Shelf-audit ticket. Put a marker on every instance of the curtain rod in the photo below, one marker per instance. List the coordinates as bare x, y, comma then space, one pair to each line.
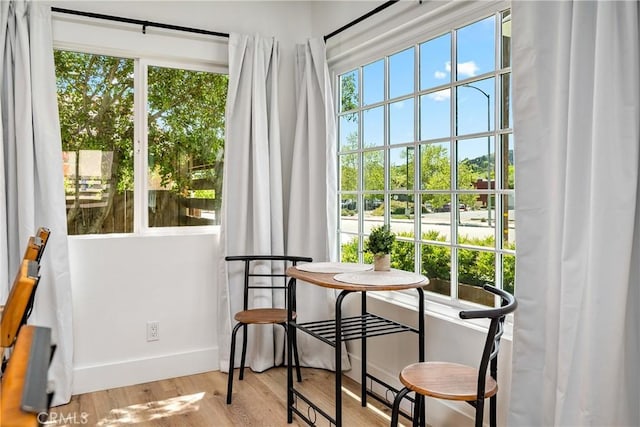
144, 24
362, 18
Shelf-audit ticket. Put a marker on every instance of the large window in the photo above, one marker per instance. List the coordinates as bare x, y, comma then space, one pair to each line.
426, 146
142, 143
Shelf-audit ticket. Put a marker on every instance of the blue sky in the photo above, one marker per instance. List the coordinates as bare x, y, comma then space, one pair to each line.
475, 56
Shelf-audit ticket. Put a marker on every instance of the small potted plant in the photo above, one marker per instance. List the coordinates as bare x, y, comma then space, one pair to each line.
379, 244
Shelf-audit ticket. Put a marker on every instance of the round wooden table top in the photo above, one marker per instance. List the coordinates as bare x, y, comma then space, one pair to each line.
327, 280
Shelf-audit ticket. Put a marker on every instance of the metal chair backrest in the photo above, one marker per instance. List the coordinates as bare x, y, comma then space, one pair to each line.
492, 343
268, 267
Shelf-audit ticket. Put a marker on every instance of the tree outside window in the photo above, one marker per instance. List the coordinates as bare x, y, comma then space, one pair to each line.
184, 146
434, 159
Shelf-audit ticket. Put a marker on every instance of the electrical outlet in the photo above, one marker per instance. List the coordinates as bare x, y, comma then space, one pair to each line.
153, 330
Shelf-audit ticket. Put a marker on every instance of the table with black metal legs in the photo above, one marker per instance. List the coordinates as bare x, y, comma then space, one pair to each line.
336, 331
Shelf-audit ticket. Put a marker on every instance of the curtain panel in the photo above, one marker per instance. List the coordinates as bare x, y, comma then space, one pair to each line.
576, 357
252, 211
313, 197
31, 182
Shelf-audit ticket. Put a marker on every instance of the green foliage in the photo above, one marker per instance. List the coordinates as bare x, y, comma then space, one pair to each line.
399, 208
435, 168
402, 254
468, 271
436, 259
349, 170
380, 240
379, 211
95, 99
475, 267
435, 173
203, 194
350, 251
509, 273
349, 93
373, 170
401, 173
186, 120
186, 125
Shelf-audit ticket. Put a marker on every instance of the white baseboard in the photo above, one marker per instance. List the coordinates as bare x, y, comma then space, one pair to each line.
439, 412
129, 372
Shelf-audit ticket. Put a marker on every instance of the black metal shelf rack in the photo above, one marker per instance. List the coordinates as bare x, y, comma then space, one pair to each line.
357, 327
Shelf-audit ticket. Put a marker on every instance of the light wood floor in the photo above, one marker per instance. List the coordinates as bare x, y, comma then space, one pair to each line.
200, 401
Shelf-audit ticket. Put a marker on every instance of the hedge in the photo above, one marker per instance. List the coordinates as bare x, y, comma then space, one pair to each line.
475, 267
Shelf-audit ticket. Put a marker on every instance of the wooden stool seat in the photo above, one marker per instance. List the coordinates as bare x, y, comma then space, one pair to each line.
443, 380
263, 316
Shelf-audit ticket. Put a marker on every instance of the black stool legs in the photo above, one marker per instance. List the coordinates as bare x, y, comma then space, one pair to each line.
244, 353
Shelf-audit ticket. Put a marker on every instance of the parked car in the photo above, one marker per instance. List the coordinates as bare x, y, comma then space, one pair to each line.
370, 204
447, 207
348, 204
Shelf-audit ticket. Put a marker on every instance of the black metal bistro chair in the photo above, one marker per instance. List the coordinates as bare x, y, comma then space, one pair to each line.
263, 316
452, 381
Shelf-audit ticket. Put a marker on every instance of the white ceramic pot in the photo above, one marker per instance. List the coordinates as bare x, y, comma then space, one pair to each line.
382, 262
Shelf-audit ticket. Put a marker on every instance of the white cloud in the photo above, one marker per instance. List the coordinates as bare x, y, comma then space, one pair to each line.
465, 69
441, 95
440, 74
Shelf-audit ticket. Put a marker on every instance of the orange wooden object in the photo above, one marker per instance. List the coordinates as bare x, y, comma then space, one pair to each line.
33, 249
18, 302
443, 380
37, 244
13, 383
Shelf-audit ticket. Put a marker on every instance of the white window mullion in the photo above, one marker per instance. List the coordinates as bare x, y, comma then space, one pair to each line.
140, 213
387, 141
453, 211
417, 197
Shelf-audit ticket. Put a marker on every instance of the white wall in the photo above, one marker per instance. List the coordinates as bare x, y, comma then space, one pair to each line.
119, 283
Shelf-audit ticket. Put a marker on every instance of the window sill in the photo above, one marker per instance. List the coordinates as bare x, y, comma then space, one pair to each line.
440, 310
154, 232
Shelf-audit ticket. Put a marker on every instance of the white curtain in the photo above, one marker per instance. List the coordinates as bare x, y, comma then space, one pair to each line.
32, 190
313, 200
576, 358
252, 218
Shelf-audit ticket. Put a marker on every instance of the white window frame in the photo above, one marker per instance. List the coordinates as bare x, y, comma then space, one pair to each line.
171, 49
379, 41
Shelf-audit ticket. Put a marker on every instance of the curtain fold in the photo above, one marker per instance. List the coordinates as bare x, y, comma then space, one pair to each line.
576, 358
312, 199
252, 211
32, 193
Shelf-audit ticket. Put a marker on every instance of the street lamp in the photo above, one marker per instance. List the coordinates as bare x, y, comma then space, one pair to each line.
488, 149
